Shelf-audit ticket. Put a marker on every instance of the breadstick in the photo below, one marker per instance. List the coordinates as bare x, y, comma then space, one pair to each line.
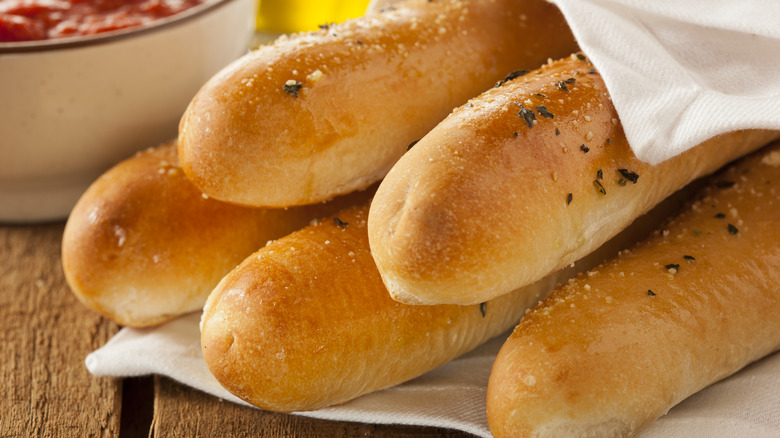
306, 322
324, 113
143, 245
615, 349
519, 182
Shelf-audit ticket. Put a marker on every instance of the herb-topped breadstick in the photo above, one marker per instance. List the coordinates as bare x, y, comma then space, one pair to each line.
324, 113
519, 182
616, 348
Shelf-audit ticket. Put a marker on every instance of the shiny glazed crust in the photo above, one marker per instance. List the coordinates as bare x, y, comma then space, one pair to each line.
324, 113
143, 245
522, 180
306, 322
613, 350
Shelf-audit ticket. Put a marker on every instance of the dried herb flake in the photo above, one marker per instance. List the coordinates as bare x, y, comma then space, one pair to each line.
513, 75
339, 222
483, 308
732, 229
544, 113
292, 87
599, 187
627, 174
528, 115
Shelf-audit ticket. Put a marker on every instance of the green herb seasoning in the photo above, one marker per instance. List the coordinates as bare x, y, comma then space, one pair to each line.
600, 174
720, 215
557, 131
689, 258
562, 86
674, 266
513, 75
483, 308
651, 293
599, 187
568, 198
627, 174
584, 148
732, 229
544, 113
339, 222
292, 87
528, 115
581, 57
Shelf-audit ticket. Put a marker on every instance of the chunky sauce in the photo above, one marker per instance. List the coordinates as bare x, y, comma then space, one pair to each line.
28, 20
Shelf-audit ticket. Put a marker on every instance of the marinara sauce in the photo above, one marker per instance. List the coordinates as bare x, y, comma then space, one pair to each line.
29, 20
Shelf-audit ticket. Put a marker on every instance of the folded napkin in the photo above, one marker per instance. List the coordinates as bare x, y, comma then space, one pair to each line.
453, 395
679, 72
682, 71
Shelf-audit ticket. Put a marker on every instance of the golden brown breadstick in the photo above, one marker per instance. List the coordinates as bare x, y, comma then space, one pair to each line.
519, 182
306, 321
324, 113
143, 245
615, 349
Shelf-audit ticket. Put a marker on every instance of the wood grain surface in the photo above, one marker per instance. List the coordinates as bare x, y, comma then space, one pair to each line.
46, 390
45, 334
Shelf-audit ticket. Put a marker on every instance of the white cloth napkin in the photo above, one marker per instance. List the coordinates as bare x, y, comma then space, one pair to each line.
453, 395
682, 71
679, 72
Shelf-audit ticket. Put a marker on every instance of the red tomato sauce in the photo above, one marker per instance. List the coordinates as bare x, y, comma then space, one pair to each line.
29, 20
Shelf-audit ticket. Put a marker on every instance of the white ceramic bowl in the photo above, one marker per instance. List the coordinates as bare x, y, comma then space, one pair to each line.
71, 108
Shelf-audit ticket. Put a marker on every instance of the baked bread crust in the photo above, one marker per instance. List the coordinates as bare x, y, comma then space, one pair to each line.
519, 182
306, 322
324, 113
143, 245
614, 349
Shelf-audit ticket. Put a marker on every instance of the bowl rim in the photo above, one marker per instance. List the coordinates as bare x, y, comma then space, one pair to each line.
116, 35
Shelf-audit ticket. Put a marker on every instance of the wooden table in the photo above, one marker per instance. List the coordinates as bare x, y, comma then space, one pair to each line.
46, 391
